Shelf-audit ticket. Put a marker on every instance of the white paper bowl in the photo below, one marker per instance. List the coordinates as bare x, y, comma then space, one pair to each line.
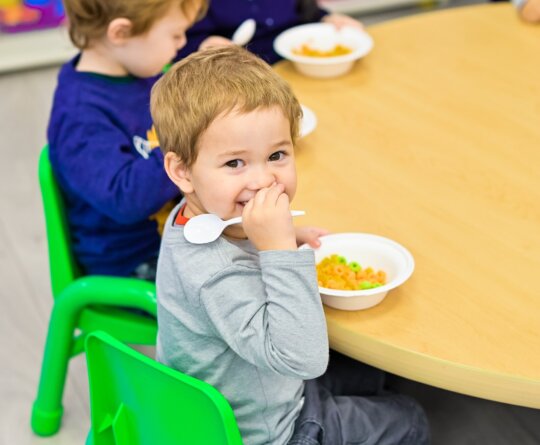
369, 251
359, 41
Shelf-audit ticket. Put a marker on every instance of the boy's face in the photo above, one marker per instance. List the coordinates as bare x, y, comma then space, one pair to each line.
238, 155
145, 55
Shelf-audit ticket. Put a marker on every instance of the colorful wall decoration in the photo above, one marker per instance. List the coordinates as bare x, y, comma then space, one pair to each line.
28, 15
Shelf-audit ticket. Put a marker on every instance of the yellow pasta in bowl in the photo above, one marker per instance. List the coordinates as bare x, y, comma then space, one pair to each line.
357, 270
322, 50
335, 272
309, 51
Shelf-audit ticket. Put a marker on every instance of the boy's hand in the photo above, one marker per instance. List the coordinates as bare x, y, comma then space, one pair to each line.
341, 20
267, 220
310, 235
531, 11
212, 41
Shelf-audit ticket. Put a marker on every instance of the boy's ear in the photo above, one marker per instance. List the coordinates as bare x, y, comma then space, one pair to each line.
119, 30
178, 172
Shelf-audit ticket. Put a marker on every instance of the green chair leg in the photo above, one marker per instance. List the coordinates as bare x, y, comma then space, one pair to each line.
47, 409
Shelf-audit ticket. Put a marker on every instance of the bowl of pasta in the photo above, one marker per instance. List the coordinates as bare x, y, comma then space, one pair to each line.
356, 270
321, 50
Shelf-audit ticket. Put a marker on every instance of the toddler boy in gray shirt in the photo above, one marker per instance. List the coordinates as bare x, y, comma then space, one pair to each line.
243, 313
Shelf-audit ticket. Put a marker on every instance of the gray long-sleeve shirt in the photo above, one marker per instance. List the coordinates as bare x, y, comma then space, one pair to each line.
249, 323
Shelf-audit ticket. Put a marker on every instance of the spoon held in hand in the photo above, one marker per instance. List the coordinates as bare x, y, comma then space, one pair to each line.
205, 228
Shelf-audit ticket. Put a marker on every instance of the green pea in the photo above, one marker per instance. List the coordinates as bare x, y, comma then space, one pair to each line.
365, 285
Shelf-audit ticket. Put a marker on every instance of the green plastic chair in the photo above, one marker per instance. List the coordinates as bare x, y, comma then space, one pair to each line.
135, 400
82, 304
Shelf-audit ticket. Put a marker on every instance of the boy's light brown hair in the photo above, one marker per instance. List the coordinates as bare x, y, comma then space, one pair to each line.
209, 83
89, 19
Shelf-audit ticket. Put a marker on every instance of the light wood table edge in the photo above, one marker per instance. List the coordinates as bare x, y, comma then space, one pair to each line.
436, 372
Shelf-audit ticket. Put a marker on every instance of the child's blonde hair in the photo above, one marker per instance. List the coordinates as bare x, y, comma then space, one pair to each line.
207, 84
88, 19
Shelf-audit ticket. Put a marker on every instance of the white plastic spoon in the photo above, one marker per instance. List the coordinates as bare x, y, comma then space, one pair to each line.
205, 228
244, 33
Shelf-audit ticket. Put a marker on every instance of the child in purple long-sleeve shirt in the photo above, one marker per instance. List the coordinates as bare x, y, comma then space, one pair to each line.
100, 135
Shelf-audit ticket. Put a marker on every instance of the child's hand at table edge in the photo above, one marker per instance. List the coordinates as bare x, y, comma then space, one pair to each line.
212, 41
530, 11
310, 235
341, 20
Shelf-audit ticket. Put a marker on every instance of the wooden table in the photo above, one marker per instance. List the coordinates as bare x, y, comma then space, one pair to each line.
433, 140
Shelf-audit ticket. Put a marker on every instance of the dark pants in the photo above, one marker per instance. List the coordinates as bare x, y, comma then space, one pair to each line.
348, 406
147, 270
144, 271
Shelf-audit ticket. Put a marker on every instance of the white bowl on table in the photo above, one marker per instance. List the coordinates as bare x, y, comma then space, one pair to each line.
368, 250
323, 36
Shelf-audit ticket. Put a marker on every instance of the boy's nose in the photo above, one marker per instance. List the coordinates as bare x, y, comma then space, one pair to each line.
261, 178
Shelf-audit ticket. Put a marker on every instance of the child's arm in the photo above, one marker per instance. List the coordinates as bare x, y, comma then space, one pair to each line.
103, 169
272, 317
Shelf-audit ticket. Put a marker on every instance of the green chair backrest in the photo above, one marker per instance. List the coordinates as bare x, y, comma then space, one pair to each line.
63, 267
135, 400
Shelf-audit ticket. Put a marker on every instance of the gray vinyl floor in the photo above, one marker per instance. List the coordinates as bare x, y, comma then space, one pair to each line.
25, 99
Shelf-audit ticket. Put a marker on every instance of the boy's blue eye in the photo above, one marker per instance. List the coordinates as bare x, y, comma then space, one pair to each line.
277, 156
235, 163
